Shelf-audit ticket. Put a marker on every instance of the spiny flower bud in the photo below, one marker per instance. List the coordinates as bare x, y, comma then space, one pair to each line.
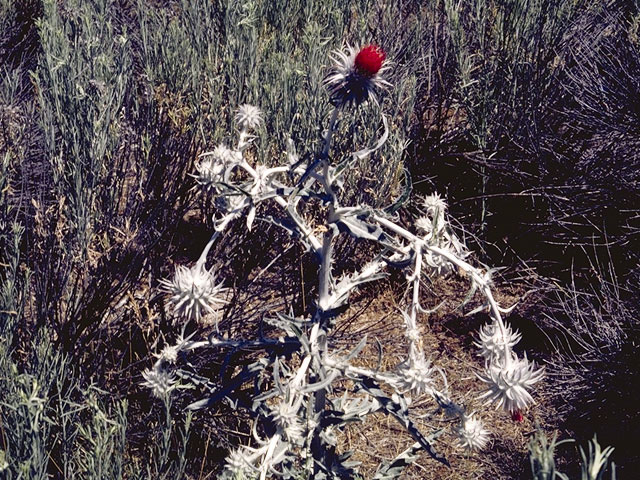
493, 343
508, 385
471, 433
159, 380
193, 292
249, 117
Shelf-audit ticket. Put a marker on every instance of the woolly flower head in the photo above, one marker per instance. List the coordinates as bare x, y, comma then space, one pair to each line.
193, 292
433, 203
209, 173
471, 433
238, 465
169, 354
435, 207
507, 385
286, 417
159, 380
248, 117
418, 378
491, 342
224, 155
356, 74
213, 165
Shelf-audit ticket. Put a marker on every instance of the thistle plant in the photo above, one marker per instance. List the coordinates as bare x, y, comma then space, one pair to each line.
297, 410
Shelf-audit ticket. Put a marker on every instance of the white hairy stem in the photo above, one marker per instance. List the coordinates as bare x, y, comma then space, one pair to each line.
203, 256
415, 302
324, 274
328, 135
464, 266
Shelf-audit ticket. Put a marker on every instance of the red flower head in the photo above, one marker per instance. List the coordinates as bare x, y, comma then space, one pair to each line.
356, 75
517, 416
369, 60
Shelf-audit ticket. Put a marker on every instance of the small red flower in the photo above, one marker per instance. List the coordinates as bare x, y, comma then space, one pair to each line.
369, 60
516, 416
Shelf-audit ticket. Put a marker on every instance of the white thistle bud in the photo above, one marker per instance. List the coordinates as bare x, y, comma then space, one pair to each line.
224, 155
507, 385
193, 292
249, 117
471, 433
418, 378
215, 164
492, 344
435, 206
169, 354
159, 380
209, 173
238, 465
286, 418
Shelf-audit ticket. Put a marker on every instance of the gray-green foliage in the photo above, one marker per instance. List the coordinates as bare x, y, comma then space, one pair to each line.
166, 455
53, 426
593, 466
506, 59
542, 457
395, 468
42, 425
82, 80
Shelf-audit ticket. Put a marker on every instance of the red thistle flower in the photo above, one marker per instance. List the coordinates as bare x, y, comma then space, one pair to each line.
369, 60
517, 416
356, 75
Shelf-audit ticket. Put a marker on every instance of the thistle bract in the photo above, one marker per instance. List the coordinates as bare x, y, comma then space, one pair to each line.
492, 342
419, 377
159, 380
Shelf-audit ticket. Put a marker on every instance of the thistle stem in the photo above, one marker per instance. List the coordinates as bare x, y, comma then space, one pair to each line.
324, 274
324, 287
203, 256
329, 134
470, 269
415, 301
